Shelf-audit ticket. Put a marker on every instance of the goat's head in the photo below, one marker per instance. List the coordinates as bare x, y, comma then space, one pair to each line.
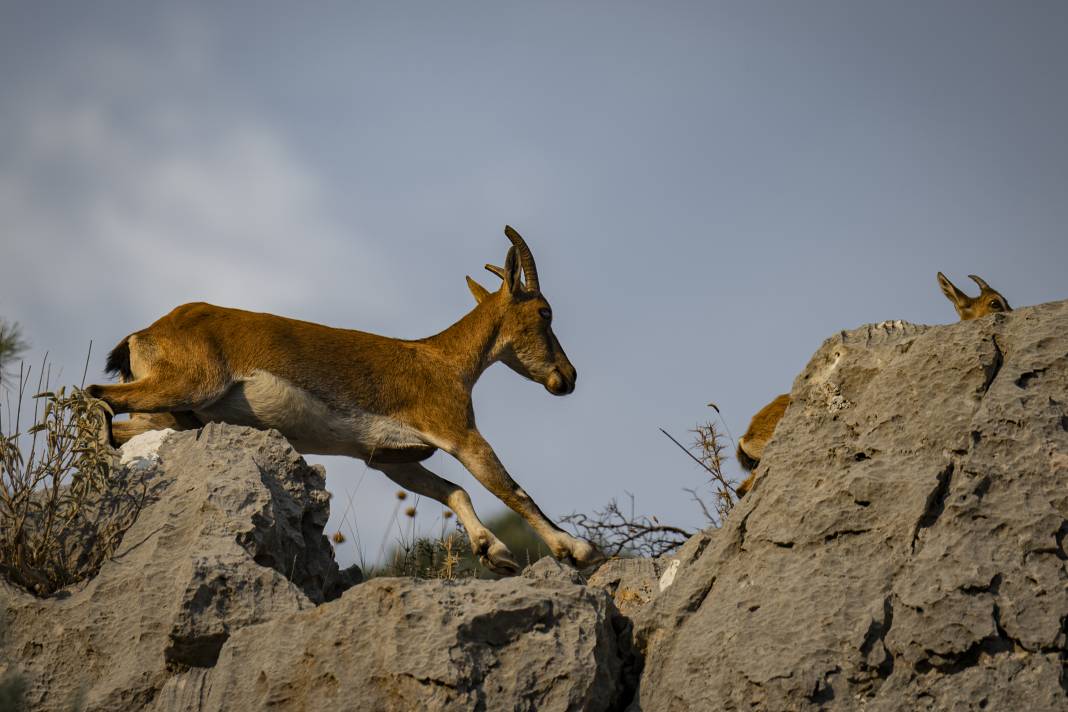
526, 342
989, 300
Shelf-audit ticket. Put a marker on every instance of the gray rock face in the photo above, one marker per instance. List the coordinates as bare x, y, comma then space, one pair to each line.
210, 604
903, 546
185, 576
406, 644
633, 583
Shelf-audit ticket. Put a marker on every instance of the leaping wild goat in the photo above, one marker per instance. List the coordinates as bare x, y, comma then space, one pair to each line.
389, 402
762, 426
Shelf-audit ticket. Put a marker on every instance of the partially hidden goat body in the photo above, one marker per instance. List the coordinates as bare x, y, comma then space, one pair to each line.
389, 402
762, 426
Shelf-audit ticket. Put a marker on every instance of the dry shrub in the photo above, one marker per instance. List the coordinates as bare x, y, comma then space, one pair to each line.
64, 506
619, 532
708, 451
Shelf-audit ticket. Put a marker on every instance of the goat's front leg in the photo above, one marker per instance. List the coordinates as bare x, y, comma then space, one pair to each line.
477, 456
491, 551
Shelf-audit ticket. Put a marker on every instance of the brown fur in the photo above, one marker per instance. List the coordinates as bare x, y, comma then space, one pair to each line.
762, 427
988, 302
751, 445
390, 402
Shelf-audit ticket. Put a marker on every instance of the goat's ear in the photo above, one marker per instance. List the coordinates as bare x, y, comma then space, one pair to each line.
953, 294
512, 272
477, 290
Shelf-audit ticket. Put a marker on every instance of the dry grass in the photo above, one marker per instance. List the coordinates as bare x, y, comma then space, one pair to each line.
63, 505
434, 545
446, 557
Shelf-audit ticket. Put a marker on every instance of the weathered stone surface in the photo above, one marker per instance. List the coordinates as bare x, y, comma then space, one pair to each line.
634, 583
549, 569
186, 575
631, 582
210, 605
903, 547
405, 644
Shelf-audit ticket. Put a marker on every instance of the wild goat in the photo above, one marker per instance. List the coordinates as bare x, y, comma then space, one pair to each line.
389, 402
762, 426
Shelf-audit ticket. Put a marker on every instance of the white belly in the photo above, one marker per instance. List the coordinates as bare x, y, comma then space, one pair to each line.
263, 400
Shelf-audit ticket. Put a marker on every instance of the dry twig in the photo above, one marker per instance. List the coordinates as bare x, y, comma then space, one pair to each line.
621, 533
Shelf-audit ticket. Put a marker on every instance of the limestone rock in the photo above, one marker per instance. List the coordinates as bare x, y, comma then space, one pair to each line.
632, 582
903, 548
210, 604
549, 569
903, 545
406, 644
224, 506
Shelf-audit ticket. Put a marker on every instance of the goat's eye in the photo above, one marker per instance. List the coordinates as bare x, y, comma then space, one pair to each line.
995, 304
546, 314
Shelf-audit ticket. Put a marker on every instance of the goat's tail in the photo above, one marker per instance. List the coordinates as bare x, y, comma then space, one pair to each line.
118, 363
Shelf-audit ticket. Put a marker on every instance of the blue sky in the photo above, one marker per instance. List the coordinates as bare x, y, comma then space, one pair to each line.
710, 189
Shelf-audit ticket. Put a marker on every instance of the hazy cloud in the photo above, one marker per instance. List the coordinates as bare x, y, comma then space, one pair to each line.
161, 199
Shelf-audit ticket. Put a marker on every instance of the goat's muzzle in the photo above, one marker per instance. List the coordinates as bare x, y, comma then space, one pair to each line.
560, 384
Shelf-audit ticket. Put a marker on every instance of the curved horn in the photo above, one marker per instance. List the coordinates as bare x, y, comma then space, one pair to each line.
526, 259
499, 271
982, 285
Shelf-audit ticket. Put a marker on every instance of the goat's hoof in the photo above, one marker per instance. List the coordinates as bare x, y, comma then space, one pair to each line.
497, 558
583, 555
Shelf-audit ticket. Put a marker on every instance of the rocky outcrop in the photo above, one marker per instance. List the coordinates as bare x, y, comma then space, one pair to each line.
407, 644
211, 604
635, 582
185, 576
903, 547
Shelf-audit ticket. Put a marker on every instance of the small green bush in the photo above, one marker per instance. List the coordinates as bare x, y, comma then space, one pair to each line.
63, 505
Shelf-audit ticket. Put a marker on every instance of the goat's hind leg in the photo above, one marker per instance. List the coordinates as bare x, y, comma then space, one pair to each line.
123, 430
165, 389
491, 551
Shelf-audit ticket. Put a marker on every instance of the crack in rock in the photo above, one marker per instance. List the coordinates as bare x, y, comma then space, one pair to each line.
935, 505
990, 646
991, 371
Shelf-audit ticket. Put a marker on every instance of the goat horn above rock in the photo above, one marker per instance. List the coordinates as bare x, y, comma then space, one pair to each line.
526, 259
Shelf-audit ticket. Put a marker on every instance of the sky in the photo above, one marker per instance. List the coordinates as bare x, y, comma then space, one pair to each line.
710, 190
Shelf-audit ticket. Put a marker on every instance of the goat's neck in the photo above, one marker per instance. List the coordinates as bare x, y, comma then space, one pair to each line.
473, 343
